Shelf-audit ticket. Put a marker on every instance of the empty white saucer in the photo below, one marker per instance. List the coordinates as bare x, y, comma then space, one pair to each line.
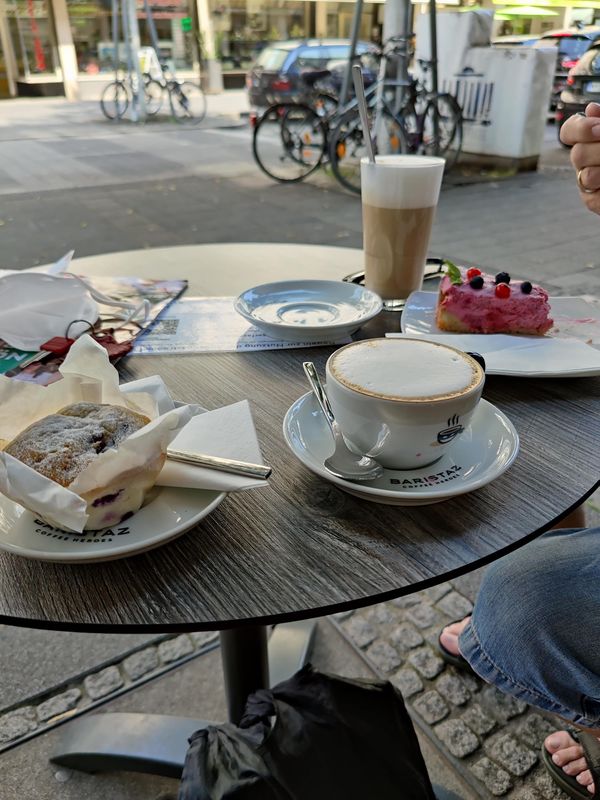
480, 455
308, 310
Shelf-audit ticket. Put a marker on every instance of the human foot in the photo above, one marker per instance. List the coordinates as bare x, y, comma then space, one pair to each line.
570, 756
448, 645
449, 636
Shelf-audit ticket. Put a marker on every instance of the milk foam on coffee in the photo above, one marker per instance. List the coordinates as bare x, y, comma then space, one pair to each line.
405, 369
404, 188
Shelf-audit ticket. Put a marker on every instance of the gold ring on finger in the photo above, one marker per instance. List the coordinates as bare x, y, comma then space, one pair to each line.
583, 188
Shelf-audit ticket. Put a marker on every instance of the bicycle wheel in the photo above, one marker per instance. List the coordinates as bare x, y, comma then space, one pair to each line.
289, 142
444, 109
114, 100
153, 91
347, 145
188, 102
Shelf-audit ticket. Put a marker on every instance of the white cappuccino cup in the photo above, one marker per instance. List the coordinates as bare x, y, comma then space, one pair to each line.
402, 401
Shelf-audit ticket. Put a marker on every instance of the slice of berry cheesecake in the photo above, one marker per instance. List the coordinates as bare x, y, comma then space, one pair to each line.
472, 302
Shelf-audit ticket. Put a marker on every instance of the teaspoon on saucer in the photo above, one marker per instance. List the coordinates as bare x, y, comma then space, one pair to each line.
343, 463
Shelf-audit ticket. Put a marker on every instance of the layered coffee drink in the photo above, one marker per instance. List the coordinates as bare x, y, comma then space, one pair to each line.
407, 370
399, 198
395, 243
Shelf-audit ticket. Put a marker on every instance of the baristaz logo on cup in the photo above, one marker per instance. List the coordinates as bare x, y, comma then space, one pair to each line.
451, 432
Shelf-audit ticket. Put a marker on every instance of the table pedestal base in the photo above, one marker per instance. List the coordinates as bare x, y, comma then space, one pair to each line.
157, 744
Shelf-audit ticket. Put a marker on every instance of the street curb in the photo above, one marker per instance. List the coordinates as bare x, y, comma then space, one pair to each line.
92, 689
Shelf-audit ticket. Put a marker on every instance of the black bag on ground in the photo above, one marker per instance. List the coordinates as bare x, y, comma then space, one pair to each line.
313, 737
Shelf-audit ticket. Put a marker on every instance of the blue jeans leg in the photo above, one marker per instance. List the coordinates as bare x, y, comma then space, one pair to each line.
535, 629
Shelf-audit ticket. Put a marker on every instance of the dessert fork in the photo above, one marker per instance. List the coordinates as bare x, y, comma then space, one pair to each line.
343, 463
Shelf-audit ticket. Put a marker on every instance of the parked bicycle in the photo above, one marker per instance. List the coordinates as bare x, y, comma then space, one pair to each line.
291, 140
425, 123
187, 101
116, 98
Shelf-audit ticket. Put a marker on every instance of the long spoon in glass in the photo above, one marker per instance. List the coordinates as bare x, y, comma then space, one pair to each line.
359, 88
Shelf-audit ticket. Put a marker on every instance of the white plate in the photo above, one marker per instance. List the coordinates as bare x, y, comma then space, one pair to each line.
169, 513
480, 455
564, 352
308, 310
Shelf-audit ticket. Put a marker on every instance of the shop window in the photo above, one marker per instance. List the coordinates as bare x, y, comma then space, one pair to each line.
32, 32
244, 28
91, 26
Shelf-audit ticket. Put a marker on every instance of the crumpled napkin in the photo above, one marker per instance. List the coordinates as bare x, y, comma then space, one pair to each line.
40, 303
34, 308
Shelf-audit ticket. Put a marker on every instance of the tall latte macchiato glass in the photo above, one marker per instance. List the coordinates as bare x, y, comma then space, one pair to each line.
402, 401
399, 198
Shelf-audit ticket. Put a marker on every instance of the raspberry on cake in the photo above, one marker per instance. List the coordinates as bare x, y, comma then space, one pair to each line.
470, 301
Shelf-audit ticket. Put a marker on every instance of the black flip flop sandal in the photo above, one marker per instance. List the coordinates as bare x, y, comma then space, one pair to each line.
591, 750
456, 661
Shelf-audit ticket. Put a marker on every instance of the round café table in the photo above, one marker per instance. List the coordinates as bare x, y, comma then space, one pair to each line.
300, 548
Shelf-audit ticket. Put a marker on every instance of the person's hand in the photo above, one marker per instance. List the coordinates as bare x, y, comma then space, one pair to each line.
583, 133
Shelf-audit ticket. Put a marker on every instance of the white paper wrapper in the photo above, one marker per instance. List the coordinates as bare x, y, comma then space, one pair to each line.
88, 377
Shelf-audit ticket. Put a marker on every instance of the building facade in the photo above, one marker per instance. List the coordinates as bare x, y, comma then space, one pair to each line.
56, 47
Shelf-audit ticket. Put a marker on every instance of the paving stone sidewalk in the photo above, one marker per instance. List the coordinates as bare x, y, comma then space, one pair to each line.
492, 739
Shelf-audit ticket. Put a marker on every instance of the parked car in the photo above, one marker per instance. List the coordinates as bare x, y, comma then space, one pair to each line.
582, 86
277, 73
515, 40
570, 45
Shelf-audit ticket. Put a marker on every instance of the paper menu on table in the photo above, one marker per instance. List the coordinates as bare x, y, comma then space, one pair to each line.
208, 325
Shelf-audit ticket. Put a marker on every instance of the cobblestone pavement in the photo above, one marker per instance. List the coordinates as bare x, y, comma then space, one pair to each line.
492, 739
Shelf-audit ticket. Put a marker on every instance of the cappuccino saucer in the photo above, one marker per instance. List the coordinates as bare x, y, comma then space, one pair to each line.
308, 311
481, 454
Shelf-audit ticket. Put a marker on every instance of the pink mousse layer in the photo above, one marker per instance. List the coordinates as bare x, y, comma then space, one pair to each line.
482, 312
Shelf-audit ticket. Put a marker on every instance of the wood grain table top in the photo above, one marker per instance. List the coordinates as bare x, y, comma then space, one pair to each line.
302, 547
